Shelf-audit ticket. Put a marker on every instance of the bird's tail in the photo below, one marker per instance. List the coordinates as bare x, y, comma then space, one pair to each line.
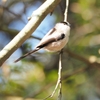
33, 51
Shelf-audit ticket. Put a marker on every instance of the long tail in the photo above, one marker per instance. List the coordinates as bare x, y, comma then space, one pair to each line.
33, 51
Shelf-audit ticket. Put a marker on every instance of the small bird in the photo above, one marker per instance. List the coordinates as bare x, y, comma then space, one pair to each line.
54, 40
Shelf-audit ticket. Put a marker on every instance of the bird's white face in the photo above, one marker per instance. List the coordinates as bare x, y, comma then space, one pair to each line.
60, 29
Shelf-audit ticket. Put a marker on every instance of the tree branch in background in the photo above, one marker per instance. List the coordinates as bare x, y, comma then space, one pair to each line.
14, 32
36, 18
86, 61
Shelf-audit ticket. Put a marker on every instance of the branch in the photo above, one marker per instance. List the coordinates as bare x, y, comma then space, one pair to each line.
60, 77
25, 33
14, 32
59, 81
66, 11
86, 61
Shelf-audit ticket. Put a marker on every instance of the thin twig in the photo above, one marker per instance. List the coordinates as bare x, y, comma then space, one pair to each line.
66, 11
16, 15
60, 78
59, 82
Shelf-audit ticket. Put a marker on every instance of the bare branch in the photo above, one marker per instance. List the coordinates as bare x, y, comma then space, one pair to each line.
59, 81
81, 58
66, 10
60, 78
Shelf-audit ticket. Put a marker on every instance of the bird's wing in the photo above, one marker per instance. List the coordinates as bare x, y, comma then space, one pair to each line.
49, 38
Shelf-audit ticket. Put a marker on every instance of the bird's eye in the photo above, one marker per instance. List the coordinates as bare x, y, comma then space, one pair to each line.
62, 35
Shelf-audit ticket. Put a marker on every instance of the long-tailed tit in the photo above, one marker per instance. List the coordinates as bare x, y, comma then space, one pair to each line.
54, 40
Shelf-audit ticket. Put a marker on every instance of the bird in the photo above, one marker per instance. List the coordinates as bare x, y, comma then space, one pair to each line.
54, 40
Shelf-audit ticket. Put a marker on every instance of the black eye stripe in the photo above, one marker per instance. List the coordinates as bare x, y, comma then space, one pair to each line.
62, 35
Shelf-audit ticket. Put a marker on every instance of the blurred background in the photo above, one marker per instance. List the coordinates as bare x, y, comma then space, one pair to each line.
35, 76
